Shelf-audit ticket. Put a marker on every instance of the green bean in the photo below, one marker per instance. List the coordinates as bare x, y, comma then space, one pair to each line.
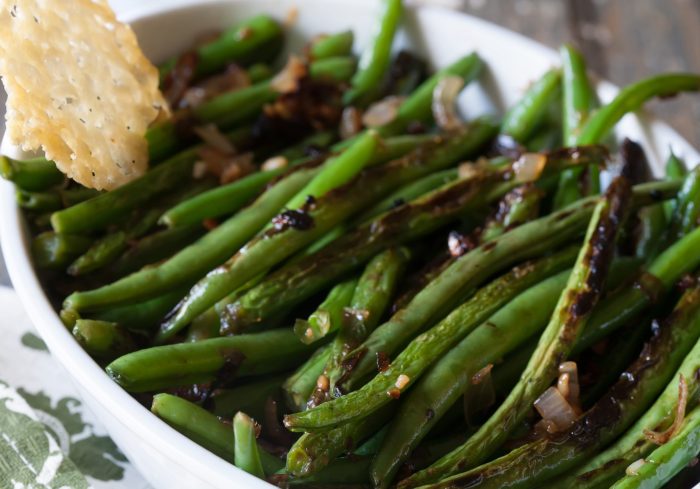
426, 348
253, 40
249, 398
194, 261
100, 211
111, 246
518, 206
339, 170
312, 273
608, 466
632, 98
38, 201
572, 311
259, 72
330, 210
56, 250
246, 455
530, 465
154, 248
675, 169
376, 58
298, 388
410, 192
35, 175
218, 201
506, 374
371, 445
204, 428
102, 339
339, 44
102, 252
53, 199
522, 120
686, 215
653, 283
337, 69
394, 147
653, 225
327, 318
142, 317
523, 242
417, 107
579, 99
315, 451
667, 460
206, 326
345, 473
450, 377
162, 367
369, 302
234, 107
195, 423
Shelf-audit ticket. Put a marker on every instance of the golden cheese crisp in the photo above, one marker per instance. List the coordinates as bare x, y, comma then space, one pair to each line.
78, 87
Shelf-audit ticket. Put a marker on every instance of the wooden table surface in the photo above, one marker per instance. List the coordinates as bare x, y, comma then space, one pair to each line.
623, 40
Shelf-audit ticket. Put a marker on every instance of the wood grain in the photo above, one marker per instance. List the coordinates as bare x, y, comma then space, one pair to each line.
623, 40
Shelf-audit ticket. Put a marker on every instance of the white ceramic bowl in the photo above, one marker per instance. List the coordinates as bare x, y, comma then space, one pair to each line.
166, 458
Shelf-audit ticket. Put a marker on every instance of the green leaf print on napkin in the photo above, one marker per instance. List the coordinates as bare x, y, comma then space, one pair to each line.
30, 340
29, 456
94, 455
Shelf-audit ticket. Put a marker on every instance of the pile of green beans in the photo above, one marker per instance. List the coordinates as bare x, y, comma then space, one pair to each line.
383, 304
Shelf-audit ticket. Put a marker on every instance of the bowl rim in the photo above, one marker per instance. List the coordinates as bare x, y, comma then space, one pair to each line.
131, 415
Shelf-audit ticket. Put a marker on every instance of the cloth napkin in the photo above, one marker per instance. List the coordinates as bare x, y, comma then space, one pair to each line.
48, 438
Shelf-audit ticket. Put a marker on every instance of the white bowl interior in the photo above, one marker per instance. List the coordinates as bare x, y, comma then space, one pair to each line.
165, 28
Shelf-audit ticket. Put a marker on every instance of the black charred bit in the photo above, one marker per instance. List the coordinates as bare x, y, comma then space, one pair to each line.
601, 247
294, 219
635, 166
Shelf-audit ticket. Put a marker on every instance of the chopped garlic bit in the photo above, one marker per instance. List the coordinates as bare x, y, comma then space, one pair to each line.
274, 163
402, 381
633, 468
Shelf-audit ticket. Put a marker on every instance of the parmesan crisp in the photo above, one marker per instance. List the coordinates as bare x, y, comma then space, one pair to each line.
78, 87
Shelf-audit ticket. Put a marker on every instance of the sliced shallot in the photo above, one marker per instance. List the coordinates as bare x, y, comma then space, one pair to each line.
287, 80
555, 409
382, 112
444, 104
661, 437
529, 167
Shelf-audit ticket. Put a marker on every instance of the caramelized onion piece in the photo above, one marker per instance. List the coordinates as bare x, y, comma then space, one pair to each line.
212, 137
227, 167
274, 163
480, 396
382, 112
568, 385
350, 122
555, 410
288, 80
529, 167
234, 78
445, 103
633, 468
661, 437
